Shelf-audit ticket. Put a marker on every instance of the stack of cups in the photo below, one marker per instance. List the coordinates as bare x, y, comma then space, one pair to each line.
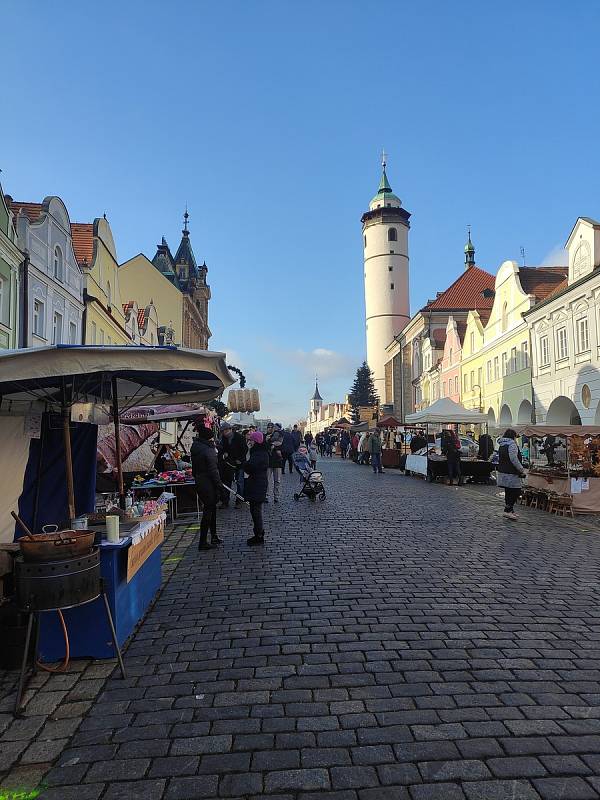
112, 529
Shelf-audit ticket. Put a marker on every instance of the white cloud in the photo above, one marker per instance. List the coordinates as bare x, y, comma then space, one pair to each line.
557, 257
325, 363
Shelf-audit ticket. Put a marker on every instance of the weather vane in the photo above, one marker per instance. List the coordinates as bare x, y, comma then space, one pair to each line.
383, 159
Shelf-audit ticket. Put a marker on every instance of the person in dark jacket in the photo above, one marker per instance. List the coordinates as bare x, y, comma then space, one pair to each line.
344, 443
273, 442
510, 471
205, 470
287, 451
450, 447
297, 437
308, 437
255, 487
232, 454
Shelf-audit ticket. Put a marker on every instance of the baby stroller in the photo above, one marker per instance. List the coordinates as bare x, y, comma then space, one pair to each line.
312, 485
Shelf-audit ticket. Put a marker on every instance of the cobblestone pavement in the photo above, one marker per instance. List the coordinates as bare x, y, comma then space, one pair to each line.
400, 640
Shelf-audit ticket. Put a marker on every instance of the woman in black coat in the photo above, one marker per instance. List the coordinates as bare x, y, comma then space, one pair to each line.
208, 485
256, 484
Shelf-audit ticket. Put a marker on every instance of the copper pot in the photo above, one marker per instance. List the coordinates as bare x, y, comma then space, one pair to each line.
56, 545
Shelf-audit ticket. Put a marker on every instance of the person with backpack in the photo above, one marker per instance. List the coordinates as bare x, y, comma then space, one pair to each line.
510, 471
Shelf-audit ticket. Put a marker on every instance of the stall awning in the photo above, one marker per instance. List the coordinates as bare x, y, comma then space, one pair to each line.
446, 410
558, 430
144, 375
389, 422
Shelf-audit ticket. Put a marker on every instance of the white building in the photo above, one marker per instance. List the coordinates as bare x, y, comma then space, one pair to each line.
323, 415
52, 281
385, 241
565, 337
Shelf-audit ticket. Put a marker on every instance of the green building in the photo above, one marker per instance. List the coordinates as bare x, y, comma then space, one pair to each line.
10, 260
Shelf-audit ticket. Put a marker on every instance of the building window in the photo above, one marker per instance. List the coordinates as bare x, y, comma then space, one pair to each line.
562, 349
38, 317
72, 333
480, 376
365, 238
57, 322
544, 351
3, 301
504, 360
525, 355
391, 285
94, 333
583, 335
390, 269
504, 317
513, 359
444, 389
489, 371
108, 294
456, 385
58, 264
101, 336
472, 343
466, 382
451, 354
392, 235
472, 379
496, 368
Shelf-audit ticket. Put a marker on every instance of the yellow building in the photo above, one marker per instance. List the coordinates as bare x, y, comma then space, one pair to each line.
496, 353
143, 283
104, 319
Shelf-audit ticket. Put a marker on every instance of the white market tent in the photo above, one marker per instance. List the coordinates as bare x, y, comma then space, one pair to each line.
446, 411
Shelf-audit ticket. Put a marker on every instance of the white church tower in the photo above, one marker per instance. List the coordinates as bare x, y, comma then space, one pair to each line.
316, 403
385, 240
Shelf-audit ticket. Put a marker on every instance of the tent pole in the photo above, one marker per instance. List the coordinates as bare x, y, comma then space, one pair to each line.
66, 419
115, 410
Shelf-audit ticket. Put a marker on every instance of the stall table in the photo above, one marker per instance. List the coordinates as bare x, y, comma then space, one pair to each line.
584, 502
436, 466
179, 489
131, 574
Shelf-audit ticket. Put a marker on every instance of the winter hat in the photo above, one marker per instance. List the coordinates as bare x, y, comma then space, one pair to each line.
256, 437
278, 425
225, 426
302, 450
205, 434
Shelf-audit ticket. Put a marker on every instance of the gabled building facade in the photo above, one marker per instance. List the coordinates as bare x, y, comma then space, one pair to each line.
565, 336
52, 282
184, 273
11, 259
451, 358
104, 319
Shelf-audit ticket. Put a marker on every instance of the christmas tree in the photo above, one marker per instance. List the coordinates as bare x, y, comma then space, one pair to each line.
363, 391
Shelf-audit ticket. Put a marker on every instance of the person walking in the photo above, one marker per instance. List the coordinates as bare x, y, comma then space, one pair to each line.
256, 483
510, 471
374, 449
297, 437
232, 453
308, 437
274, 441
354, 444
313, 454
344, 443
287, 451
205, 470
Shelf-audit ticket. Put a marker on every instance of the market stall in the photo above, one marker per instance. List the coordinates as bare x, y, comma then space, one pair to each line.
390, 455
564, 463
52, 462
427, 461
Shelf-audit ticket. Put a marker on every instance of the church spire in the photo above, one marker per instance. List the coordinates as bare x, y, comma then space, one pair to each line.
316, 395
186, 217
384, 184
469, 251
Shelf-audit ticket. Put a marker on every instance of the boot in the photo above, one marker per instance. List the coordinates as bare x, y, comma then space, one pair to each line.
214, 539
205, 545
258, 538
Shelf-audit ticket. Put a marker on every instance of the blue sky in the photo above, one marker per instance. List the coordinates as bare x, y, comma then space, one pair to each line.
268, 118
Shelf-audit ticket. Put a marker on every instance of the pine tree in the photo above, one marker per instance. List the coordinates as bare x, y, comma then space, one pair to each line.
363, 391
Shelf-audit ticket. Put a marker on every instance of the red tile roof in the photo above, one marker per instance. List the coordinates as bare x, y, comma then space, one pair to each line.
32, 210
82, 234
543, 281
465, 292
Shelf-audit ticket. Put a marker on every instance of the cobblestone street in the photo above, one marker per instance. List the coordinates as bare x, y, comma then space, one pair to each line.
400, 640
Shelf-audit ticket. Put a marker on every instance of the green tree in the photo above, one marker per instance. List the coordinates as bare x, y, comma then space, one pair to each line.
363, 391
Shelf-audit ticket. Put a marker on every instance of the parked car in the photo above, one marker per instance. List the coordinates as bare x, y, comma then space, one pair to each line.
468, 447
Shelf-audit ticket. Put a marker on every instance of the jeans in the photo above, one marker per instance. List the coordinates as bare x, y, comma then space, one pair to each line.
376, 462
287, 459
274, 475
257, 518
239, 481
208, 523
510, 498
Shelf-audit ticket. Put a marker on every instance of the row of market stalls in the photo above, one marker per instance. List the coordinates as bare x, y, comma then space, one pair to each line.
51, 401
